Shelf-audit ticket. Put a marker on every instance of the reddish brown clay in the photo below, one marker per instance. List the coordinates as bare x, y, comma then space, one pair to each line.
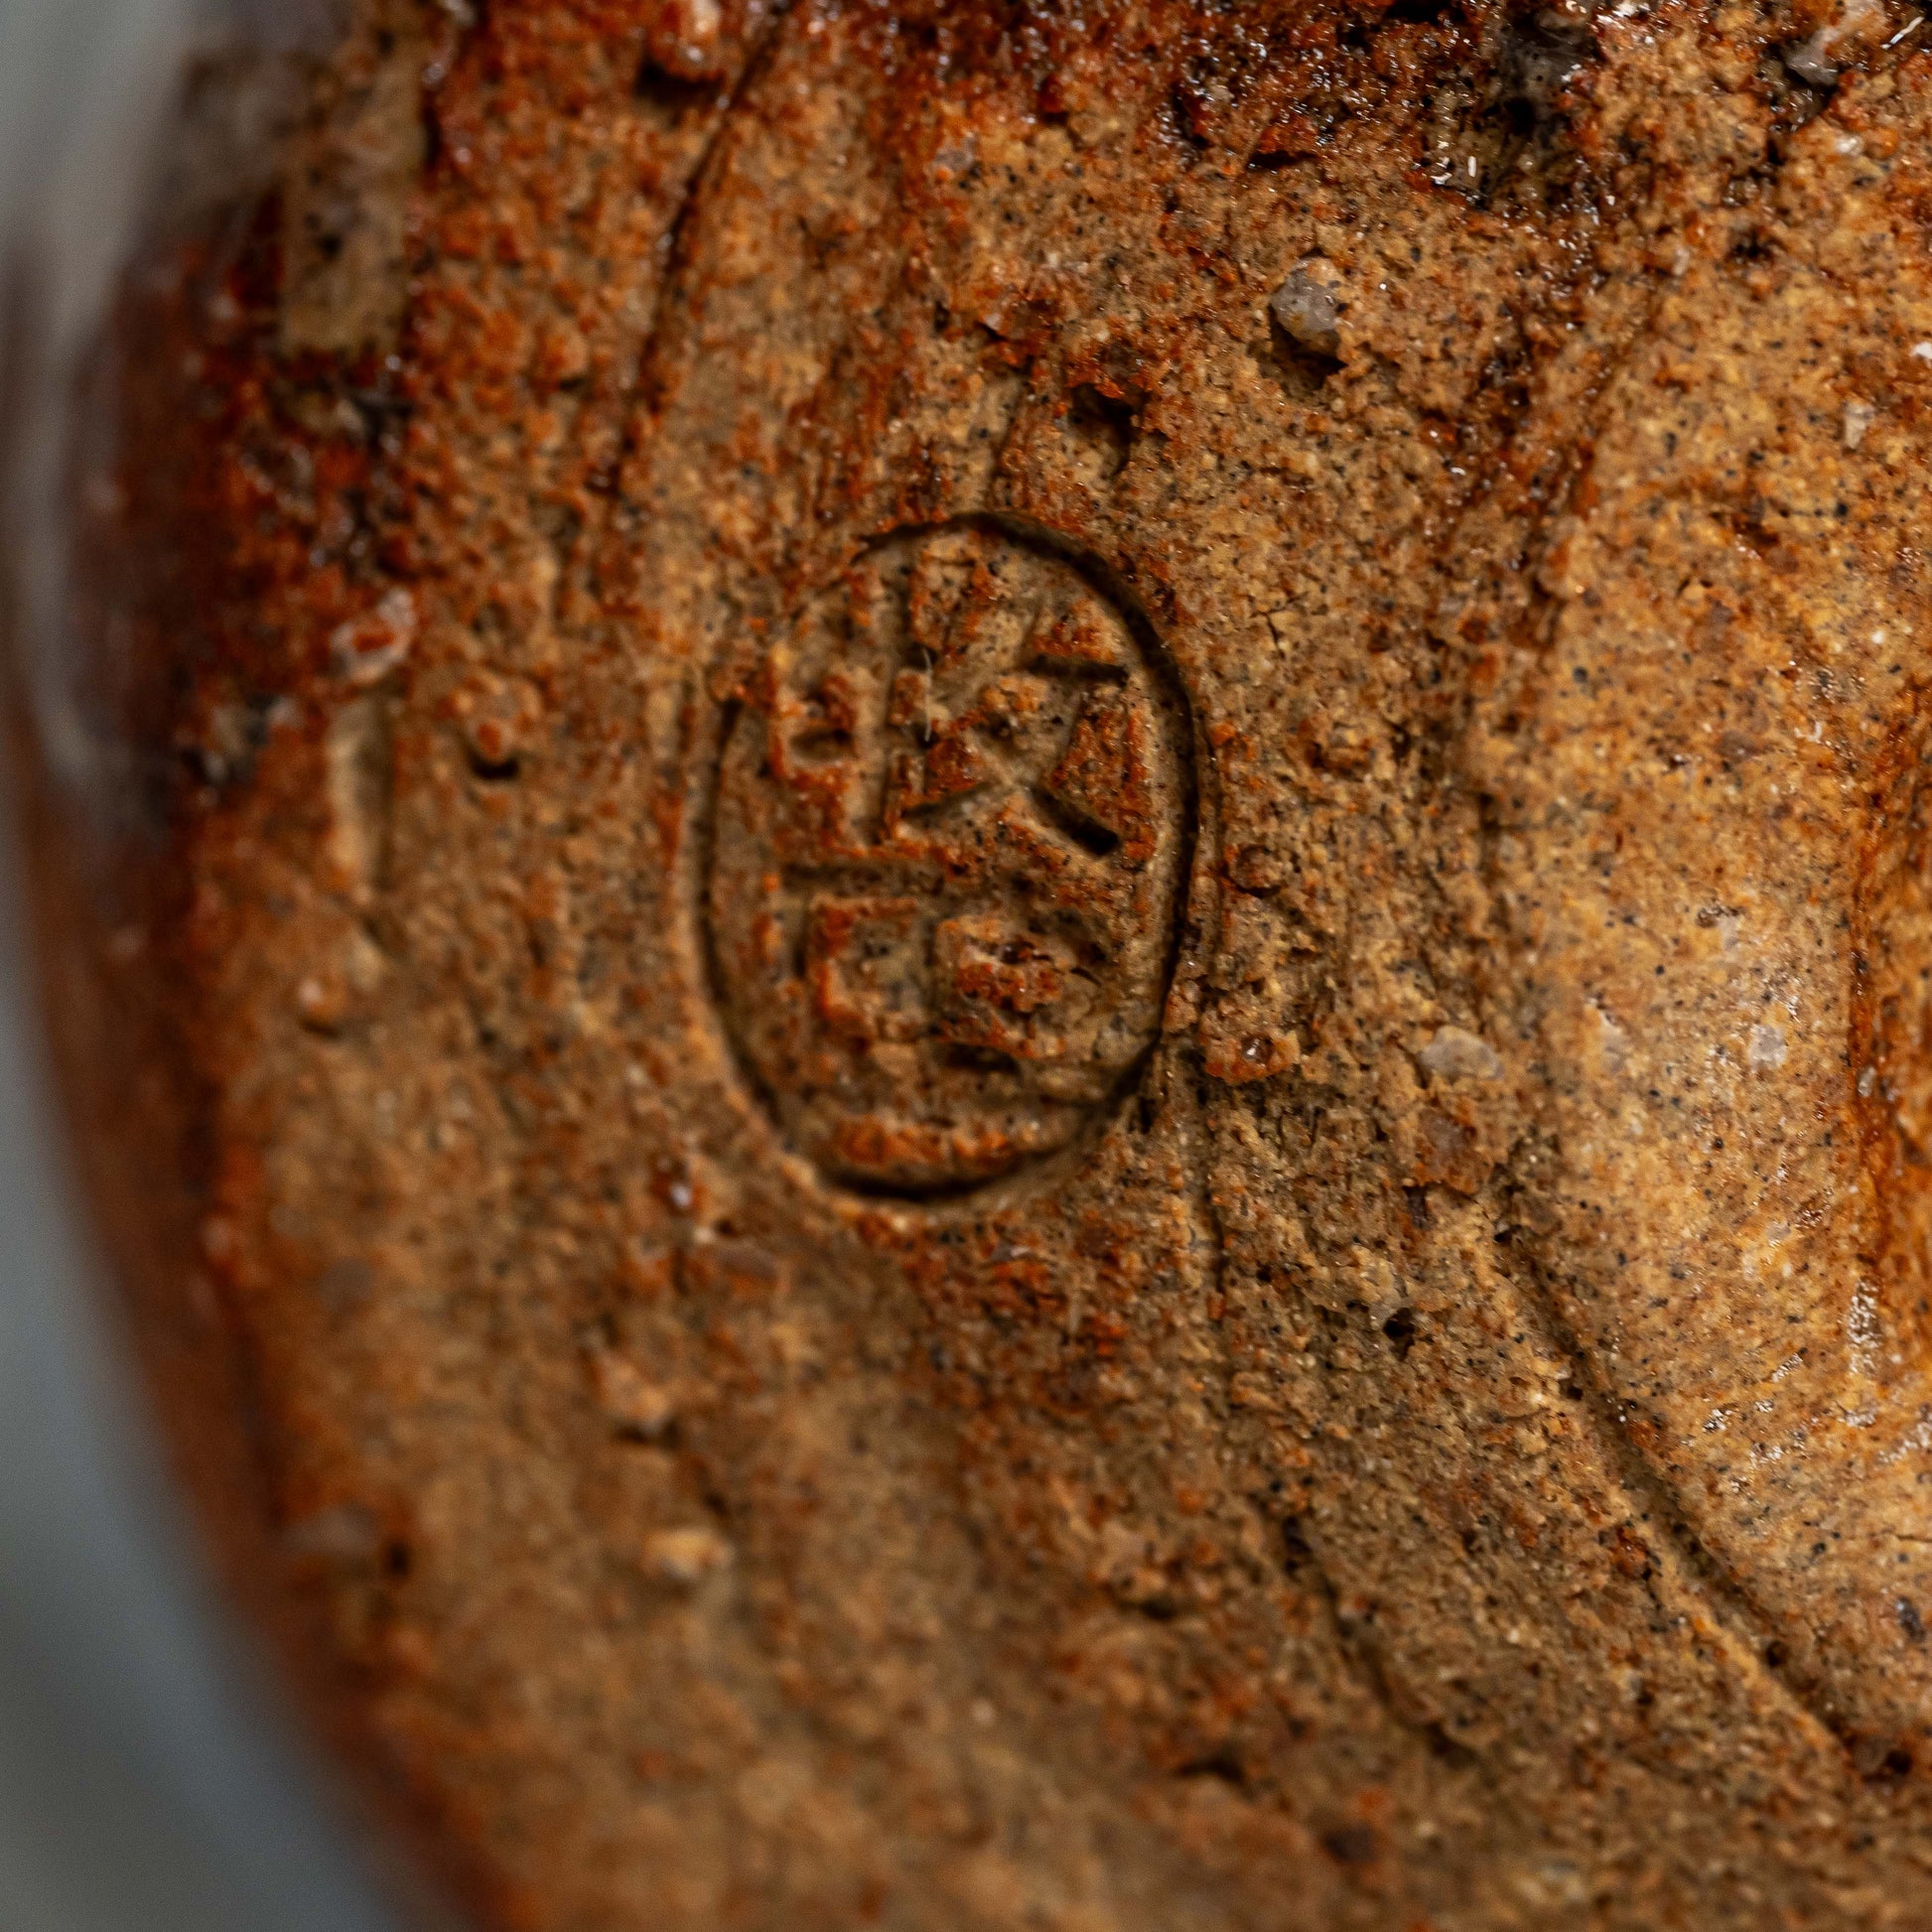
1045, 926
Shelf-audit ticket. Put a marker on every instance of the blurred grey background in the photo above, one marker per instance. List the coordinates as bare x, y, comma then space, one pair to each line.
148, 1780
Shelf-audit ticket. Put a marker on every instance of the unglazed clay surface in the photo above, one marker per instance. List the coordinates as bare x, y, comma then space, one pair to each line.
1046, 919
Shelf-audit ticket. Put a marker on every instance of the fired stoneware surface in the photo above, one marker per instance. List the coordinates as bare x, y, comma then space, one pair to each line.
1046, 907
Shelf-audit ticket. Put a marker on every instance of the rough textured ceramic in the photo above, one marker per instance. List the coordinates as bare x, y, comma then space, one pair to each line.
1045, 926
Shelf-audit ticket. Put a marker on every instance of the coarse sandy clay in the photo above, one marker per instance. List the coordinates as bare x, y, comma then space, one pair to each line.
1043, 929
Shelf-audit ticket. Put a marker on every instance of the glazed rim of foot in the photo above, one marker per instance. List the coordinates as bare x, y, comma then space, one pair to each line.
1028, 972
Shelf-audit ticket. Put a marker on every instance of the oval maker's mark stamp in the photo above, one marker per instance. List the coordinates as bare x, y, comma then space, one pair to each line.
951, 823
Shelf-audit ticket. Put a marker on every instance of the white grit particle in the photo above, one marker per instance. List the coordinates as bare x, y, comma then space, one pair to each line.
1461, 1056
